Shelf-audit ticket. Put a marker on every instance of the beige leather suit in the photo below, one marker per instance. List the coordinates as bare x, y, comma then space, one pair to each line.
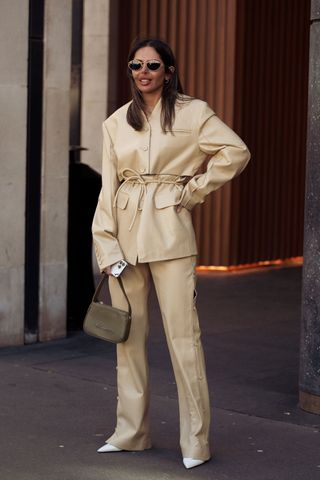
144, 176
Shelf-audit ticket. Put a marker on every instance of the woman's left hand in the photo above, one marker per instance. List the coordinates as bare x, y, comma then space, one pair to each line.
179, 208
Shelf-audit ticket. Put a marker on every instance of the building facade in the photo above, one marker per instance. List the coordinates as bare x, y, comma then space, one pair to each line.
63, 70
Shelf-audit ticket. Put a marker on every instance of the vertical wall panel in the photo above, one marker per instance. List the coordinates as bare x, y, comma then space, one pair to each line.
248, 59
271, 113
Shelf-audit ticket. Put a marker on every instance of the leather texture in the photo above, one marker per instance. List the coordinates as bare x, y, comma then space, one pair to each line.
146, 174
106, 322
174, 282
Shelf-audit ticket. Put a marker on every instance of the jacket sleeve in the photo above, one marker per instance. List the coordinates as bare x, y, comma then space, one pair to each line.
104, 226
229, 156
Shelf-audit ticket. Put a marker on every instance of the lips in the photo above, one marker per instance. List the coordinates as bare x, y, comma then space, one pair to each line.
144, 81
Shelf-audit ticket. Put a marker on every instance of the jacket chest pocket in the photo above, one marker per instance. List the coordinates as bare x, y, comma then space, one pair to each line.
179, 132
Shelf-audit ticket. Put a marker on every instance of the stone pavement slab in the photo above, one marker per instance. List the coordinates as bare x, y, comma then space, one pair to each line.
57, 400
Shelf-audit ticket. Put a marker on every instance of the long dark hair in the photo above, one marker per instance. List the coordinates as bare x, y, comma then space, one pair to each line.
172, 89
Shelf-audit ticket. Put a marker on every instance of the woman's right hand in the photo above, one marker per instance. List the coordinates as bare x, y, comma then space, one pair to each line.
107, 270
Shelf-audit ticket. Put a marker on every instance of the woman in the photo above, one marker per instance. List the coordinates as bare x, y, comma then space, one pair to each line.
153, 147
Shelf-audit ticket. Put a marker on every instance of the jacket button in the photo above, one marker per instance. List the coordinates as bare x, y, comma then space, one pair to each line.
145, 148
142, 170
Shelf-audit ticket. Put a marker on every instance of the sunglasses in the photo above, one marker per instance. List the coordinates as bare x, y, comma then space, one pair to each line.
152, 65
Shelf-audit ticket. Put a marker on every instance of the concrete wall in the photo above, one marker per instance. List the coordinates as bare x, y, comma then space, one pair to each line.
13, 133
55, 167
55, 163
94, 78
310, 326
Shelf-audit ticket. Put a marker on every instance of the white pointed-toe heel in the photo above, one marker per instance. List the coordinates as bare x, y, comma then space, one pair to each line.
108, 448
192, 462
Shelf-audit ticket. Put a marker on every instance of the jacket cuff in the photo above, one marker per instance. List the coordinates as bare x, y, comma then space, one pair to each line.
190, 197
105, 261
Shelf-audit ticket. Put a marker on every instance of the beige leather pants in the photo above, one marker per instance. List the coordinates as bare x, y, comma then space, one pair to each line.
174, 282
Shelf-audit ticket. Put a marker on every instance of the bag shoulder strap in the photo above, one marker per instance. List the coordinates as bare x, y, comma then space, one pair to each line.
100, 285
124, 293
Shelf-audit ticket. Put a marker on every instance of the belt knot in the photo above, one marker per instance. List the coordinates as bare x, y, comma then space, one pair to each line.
132, 176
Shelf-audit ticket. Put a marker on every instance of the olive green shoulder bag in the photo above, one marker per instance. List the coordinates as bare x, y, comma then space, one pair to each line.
106, 322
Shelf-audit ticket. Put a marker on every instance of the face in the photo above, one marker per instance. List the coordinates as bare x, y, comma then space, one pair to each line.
147, 81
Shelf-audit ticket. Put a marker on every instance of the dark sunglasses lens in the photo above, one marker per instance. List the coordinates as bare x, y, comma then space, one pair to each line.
153, 65
135, 65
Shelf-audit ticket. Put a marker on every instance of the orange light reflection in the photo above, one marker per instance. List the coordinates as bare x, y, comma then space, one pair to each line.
294, 261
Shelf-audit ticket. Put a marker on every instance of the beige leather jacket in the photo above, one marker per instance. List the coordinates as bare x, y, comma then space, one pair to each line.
146, 174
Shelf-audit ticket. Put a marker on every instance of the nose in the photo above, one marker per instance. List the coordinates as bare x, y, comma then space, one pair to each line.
144, 67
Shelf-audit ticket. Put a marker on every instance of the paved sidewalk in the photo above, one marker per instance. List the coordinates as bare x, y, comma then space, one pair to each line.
57, 400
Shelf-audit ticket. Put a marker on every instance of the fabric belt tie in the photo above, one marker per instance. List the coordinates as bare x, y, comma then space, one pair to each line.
132, 176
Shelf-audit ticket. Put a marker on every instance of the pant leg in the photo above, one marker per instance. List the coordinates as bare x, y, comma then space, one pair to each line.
174, 282
132, 429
